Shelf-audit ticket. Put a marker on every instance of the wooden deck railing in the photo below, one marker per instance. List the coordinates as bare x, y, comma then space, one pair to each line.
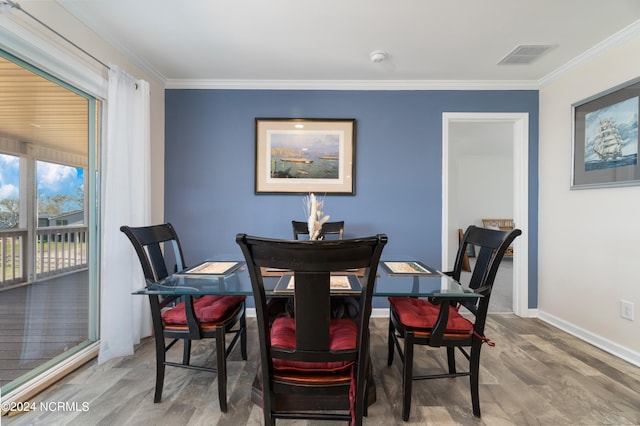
59, 249
12, 252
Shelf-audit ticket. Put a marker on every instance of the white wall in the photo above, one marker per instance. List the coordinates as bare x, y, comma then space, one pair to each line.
589, 254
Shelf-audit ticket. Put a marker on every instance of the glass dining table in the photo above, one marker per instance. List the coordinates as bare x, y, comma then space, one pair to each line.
396, 276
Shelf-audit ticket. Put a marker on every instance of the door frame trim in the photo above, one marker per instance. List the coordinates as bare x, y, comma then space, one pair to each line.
520, 122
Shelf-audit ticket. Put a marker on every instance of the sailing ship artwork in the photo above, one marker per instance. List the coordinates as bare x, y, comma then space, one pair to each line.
611, 136
302, 154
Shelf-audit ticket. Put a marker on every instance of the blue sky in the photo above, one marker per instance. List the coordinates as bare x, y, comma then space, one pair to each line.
51, 178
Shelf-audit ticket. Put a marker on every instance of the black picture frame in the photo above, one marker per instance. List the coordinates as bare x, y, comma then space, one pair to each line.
605, 138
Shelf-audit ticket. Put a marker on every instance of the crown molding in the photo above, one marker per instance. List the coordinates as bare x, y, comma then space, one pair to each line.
597, 50
354, 84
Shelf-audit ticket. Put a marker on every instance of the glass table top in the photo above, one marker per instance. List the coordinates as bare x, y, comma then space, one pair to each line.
431, 284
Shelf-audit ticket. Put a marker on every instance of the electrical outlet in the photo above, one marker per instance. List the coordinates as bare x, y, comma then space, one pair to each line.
626, 310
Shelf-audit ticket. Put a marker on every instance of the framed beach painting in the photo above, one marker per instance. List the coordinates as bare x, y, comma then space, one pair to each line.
605, 138
301, 155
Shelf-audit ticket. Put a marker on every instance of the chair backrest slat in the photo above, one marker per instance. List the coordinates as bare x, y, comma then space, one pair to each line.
313, 311
148, 242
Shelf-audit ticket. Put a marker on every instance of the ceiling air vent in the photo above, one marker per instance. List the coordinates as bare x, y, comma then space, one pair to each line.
525, 54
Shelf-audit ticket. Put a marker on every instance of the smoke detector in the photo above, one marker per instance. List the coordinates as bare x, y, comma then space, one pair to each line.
377, 56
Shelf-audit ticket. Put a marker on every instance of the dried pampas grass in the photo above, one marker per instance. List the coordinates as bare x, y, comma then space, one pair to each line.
314, 212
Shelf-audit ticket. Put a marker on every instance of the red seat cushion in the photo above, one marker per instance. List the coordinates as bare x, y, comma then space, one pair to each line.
343, 335
420, 313
207, 308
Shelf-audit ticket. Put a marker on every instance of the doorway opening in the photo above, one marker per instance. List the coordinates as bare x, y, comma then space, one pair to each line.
485, 175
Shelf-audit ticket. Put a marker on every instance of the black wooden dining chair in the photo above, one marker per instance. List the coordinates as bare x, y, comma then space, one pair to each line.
313, 366
328, 228
207, 317
420, 322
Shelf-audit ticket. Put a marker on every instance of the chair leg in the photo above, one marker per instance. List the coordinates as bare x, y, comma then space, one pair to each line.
407, 375
451, 359
359, 409
221, 361
243, 337
368, 377
391, 349
160, 358
186, 351
358, 421
268, 420
474, 370
362, 392
365, 406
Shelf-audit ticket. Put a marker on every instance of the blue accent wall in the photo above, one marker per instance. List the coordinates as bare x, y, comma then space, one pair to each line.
210, 161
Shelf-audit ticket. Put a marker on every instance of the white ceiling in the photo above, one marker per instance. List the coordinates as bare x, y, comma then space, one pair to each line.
242, 41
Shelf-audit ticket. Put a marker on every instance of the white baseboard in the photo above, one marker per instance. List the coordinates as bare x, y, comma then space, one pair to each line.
380, 313
594, 339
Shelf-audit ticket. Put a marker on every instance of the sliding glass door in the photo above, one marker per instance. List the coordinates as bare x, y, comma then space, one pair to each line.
48, 221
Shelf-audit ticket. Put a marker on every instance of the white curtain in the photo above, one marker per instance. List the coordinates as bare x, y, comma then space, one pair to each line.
124, 318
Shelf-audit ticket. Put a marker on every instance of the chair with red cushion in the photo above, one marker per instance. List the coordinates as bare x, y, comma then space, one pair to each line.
206, 317
313, 366
420, 322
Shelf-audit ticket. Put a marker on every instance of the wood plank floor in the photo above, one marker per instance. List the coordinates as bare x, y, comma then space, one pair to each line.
535, 375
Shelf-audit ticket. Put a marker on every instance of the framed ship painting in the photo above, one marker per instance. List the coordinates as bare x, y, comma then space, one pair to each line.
299, 156
605, 138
